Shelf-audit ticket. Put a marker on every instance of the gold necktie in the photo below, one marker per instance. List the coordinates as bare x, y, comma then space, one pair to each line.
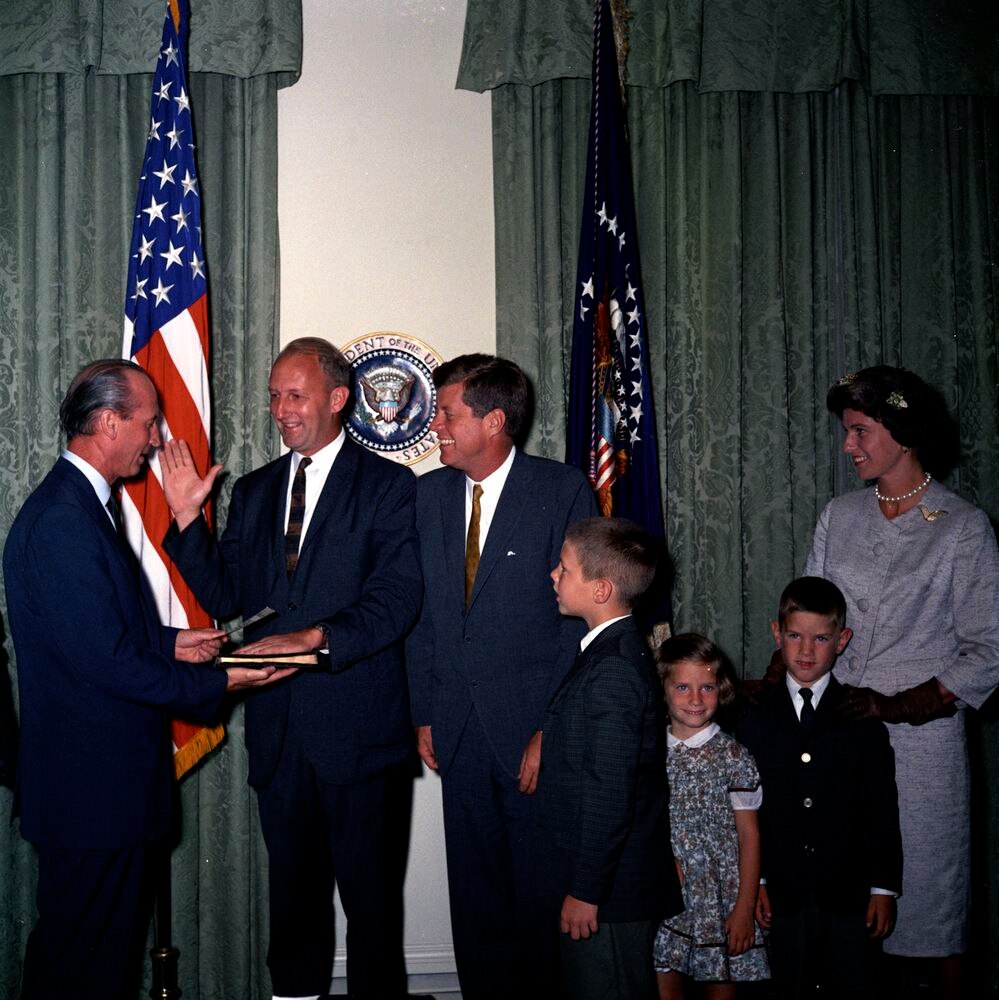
472, 543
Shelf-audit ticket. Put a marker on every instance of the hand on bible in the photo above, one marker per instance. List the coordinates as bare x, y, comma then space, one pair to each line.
305, 640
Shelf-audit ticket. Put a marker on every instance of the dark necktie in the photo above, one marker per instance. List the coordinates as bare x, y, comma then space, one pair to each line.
296, 516
114, 509
472, 543
807, 709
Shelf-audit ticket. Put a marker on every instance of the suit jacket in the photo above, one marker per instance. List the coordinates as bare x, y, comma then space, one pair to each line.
358, 572
508, 652
829, 819
602, 805
96, 675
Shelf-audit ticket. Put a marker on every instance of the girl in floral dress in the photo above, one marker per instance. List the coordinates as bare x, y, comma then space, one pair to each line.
714, 795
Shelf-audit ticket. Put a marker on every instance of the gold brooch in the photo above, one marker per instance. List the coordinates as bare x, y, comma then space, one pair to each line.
930, 515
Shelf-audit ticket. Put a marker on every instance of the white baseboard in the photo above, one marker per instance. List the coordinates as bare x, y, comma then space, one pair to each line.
422, 960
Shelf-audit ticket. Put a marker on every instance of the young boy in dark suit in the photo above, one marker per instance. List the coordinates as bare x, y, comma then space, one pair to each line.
831, 848
602, 812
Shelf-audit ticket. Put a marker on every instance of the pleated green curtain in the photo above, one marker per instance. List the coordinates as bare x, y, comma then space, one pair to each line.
785, 239
74, 106
816, 191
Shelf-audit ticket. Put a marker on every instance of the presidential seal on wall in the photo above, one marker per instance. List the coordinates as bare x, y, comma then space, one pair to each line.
394, 395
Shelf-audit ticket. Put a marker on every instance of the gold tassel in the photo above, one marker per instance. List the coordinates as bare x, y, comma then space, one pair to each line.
195, 748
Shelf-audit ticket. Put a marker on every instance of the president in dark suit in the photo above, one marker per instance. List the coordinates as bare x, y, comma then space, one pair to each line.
325, 536
488, 652
99, 678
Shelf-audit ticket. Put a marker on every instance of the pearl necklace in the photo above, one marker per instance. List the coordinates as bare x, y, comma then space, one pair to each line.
904, 496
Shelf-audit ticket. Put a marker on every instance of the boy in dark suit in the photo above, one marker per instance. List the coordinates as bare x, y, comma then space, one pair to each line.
603, 804
831, 849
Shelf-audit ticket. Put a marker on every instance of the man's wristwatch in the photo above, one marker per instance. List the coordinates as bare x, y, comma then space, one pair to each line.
325, 629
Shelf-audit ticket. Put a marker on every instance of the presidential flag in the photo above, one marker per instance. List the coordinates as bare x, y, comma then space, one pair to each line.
611, 434
166, 332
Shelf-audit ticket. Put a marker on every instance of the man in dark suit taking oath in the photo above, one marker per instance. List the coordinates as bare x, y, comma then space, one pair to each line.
99, 679
489, 650
324, 535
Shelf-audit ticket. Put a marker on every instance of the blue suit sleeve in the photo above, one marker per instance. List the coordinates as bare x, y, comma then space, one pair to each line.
91, 605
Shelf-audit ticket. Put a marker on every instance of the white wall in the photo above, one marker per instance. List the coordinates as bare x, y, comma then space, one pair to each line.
385, 204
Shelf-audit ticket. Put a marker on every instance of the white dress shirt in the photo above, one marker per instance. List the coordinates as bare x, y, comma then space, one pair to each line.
101, 486
315, 479
492, 487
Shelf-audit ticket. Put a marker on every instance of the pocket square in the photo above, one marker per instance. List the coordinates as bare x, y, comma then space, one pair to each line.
510, 552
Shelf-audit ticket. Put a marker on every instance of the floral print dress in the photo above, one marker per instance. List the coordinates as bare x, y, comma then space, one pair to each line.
704, 772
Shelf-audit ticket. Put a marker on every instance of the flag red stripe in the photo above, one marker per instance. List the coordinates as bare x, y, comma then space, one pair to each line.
147, 495
179, 410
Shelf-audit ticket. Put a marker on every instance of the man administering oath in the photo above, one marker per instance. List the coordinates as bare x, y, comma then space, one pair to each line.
325, 535
99, 679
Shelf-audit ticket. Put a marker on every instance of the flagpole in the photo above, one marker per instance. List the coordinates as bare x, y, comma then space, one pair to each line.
611, 427
164, 956
166, 332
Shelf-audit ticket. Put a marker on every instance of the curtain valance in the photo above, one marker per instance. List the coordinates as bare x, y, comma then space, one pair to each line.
244, 39
782, 46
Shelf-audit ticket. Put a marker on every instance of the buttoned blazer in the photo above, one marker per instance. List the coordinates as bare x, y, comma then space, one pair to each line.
509, 650
358, 572
96, 676
602, 804
829, 818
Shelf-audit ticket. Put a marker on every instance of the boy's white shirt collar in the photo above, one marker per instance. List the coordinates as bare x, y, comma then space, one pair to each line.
594, 632
818, 689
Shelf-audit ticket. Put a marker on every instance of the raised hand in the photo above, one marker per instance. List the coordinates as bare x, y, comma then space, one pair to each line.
184, 489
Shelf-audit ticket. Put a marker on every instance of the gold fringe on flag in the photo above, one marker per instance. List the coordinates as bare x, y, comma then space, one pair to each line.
197, 744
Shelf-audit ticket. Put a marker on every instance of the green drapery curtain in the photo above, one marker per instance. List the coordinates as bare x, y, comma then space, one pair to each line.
815, 192
775, 46
74, 104
785, 239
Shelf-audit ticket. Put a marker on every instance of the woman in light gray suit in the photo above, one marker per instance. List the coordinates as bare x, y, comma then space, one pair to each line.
920, 571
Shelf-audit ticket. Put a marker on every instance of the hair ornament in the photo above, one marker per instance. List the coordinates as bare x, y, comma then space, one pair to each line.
847, 379
897, 401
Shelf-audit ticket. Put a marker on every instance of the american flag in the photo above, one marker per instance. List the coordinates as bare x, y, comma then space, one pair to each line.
611, 434
166, 331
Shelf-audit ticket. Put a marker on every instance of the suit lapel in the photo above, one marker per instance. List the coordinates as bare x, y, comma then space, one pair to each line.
509, 511
336, 496
453, 532
87, 499
129, 564
606, 639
